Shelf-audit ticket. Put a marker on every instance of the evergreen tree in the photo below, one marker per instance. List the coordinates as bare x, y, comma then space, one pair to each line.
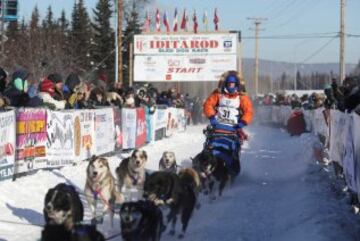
80, 38
133, 27
103, 47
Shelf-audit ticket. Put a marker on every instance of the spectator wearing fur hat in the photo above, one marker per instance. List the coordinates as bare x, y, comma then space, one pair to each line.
47, 92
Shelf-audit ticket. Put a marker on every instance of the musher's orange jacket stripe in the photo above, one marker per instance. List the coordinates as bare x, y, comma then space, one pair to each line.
245, 105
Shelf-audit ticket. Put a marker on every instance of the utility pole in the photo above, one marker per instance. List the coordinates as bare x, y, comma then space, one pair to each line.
342, 40
119, 42
257, 22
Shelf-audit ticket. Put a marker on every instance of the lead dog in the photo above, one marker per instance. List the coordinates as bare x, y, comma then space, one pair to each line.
168, 162
100, 187
176, 192
131, 172
62, 206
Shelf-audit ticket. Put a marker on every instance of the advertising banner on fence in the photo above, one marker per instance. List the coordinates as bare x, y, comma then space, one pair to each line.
7, 144
348, 161
118, 137
172, 121
140, 127
60, 144
84, 143
129, 128
149, 124
337, 132
104, 131
181, 119
31, 140
356, 141
184, 57
160, 117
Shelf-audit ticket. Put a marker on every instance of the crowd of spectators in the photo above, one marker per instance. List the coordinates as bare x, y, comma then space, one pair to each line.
344, 97
58, 93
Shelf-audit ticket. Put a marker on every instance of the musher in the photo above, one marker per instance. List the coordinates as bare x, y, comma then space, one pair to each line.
229, 109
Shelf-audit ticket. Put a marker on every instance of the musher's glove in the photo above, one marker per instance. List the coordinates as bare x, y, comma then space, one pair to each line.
240, 125
213, 121
242, 135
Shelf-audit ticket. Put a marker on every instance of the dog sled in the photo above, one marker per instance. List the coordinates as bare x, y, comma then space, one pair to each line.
225, 145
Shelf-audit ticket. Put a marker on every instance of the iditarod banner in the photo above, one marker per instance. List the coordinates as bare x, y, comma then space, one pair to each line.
31, 140
60, 145
184, 57
7, 143
104, 131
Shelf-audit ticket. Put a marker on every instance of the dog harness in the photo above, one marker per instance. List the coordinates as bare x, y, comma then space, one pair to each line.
228, 110
97, 193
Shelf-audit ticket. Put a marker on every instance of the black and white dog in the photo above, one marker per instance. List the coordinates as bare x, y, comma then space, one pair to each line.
141, 221
62, 206
212, 170
79, 233
178, 193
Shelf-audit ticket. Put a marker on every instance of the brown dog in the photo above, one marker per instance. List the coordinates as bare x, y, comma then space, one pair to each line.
131, 173
100, 187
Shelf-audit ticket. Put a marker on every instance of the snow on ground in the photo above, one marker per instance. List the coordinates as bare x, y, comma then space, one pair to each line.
281, 195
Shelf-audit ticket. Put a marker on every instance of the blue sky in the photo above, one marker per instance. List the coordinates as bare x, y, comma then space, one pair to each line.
285, 17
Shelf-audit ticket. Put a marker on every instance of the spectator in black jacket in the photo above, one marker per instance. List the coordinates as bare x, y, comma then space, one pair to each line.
16, 92
3, 82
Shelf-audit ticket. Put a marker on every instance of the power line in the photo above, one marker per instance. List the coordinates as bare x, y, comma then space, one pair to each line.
297, 36
318, 50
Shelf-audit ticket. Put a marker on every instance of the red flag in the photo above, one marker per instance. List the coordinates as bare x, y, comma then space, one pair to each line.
175, 23
146, 27
195, 22
166, 22
183, 21
216, 20
158, 20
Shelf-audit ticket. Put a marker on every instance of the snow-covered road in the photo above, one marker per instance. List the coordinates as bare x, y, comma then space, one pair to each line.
281, 195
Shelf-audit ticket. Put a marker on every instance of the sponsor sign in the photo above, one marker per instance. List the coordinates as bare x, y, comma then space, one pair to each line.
60, 144
31, 139
7, 144
140, 127
104, 131
129, 128
182, 68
